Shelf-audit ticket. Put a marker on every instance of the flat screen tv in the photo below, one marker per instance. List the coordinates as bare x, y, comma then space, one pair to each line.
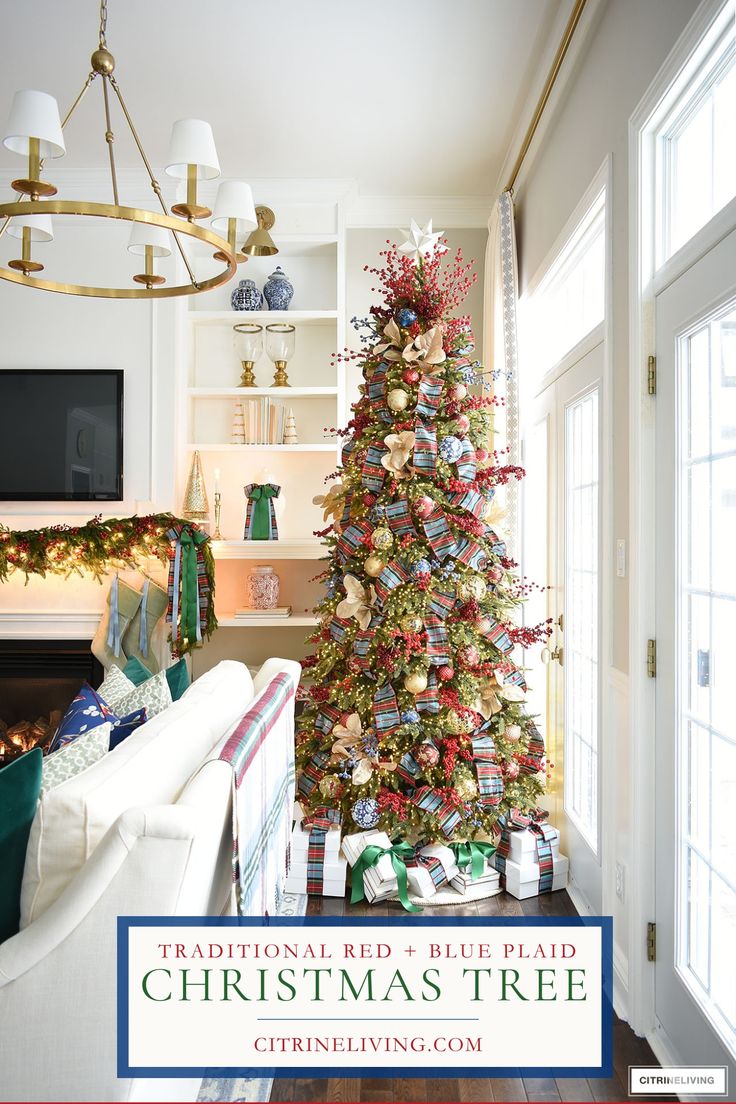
61, 434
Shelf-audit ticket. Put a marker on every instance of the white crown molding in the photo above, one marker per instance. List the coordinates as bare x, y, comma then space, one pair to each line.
367, 212
580, 41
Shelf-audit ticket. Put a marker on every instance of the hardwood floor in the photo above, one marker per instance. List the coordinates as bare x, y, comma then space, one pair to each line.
627, 1048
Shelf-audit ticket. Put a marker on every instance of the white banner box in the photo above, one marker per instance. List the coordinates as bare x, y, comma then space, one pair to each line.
378, 996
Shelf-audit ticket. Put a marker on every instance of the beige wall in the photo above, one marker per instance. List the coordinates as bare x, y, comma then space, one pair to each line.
630, 43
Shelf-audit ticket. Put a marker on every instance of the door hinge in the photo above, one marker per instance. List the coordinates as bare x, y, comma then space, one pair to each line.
652, 375
651, 942
652, 658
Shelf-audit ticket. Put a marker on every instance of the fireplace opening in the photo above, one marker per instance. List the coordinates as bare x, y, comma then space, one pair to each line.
38, 681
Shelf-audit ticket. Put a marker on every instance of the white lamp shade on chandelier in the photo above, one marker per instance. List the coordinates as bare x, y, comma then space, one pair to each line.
192, 143
34, 115
234, 201
156, 237
39, 225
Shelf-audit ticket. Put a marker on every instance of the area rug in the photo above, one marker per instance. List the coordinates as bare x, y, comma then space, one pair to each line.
250, 1088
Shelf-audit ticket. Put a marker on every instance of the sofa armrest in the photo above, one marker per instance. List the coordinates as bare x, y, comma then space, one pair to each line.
273, 667
169, 827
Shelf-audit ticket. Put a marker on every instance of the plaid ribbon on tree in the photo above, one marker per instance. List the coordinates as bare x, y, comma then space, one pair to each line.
470, 553
393, 575
347, 448
319, 823
498, 547
438, 645
385, 710
428, 701
467, 465
339, 628
398, 516
499, 637
408, 768
438, 533
374, 472
361, 646
429, 801
313, 773
350, 540
488, 772
376, 392
430, 394
516, 678
460, 362
442, 599
472, 501
327, 718
346, 508
425, 449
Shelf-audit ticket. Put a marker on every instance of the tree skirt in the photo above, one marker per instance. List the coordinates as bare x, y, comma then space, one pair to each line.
449, 896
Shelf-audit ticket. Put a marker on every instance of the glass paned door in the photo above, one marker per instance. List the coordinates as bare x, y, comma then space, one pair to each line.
582, 554
695, 585
706, 859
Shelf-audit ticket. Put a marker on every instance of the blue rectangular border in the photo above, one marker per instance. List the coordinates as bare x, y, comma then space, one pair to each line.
605, 923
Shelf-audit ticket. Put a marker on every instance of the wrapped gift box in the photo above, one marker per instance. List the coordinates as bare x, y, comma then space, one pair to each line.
300, 844
522, 879
379, 881
354, 845
333, 878
523, 844
490, 879
425, 879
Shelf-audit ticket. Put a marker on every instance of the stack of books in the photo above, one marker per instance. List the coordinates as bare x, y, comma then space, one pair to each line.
277, 611
264, 421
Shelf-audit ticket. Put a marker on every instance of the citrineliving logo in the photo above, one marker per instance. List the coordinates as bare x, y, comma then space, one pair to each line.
303, 996
675, 1080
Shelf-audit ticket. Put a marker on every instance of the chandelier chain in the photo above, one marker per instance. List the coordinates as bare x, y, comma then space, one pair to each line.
103, 24
110, 138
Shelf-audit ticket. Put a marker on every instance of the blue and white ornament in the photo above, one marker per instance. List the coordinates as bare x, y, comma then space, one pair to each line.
406, 317
410, 716
451, 449
365, 813
421, 568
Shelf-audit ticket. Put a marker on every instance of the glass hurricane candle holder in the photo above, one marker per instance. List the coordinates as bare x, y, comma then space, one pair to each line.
280, 343
249, 346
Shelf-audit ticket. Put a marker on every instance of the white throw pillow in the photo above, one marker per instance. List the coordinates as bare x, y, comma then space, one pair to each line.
115, 687
154, 695
151, 767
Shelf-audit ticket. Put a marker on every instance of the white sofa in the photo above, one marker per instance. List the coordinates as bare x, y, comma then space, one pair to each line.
166, 856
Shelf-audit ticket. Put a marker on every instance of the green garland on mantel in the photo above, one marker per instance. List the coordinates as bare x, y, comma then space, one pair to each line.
99, 547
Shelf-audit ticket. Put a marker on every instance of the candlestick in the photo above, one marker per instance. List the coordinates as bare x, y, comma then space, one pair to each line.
217, 479
217, 535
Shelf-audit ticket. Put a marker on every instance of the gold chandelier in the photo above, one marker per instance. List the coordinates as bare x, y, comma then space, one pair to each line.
35, 131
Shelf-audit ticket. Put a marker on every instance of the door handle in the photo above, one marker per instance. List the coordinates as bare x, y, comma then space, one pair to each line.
549, 654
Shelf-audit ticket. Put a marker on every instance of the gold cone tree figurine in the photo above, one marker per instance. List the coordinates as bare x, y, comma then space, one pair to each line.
196, 507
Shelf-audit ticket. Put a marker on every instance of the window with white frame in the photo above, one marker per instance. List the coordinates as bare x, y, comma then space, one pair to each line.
694, 132
569, 302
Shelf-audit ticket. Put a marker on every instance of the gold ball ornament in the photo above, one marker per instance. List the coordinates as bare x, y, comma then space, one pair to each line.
415, 682
411, 623
466, 788
458, 724
382, 539
397, 399
329, 785
472, 586
374, 565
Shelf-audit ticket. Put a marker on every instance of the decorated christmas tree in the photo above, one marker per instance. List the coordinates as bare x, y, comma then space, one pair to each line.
416, 722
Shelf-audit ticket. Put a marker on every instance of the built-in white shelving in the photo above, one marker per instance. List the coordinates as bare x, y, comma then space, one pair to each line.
321, 447
289, 549
229, 621
262, 392
264, 318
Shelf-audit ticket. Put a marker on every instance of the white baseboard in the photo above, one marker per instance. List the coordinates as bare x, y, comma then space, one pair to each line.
620, 962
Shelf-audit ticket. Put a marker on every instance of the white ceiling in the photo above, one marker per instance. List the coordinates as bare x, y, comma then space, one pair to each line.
406, 96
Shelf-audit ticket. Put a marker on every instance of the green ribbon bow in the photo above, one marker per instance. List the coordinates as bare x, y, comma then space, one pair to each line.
399, 853
189, 539
260, 496
472, 854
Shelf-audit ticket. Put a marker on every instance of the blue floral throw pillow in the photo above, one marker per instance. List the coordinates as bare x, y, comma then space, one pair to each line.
87, 711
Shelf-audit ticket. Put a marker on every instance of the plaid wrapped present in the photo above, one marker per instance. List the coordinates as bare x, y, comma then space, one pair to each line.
430, 868
428, 701
350, 540
470, 553
541, 872
398, 516
425, 449
261, 754
393, 575
472, 501
316, 826
442, 600
438, 644
374, 472
312, 773
327, 718
429, 397
438, 533
385, 710
467, 465
429, 801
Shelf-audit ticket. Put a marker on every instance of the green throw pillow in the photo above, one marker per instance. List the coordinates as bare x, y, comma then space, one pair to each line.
20, 785
176, 676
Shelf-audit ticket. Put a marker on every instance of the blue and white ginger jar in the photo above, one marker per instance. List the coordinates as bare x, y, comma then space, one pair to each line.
246, 297
278, 290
